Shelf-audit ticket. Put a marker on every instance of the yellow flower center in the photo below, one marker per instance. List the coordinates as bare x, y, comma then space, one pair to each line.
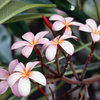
67, 24
34, 42
26, 73
96, 31
57, 41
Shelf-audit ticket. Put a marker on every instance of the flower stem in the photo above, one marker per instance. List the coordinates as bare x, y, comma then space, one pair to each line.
74, 72
88, 60
66, 66
67, 93
57, 62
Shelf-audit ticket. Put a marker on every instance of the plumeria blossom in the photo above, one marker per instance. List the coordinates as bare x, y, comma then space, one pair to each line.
30, 42
52, 46
4, 74
91, 26
22, 76
61, 22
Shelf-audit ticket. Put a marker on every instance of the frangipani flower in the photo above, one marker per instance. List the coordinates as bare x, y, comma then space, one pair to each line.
52, 46
22, 76
30, 42
91, 26
62, 22
4, 74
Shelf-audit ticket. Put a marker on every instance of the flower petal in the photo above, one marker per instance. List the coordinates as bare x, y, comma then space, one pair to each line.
91, 23
12, 79
57, 25
76, 23
44, 47
67, 37
12, 65
85, 28
24, 87
3, 87
68, 47
38, 77
51, 52
27, 50
57, 17
99, 27
95, 37
69, 19
3, 74
20, 67
19, 44
43, 41
29, 36
68, 31
31, 65
41, 35
15, 90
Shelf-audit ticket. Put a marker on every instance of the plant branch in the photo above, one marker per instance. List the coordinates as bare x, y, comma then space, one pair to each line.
67, 93
88, 60
57, 63
74, 72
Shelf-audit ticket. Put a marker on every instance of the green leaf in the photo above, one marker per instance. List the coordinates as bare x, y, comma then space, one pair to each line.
3, 3
26, 16
71, 10
13, 8
36, 1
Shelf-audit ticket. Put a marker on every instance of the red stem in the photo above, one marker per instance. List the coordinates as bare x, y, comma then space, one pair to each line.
74, 72
67, 93
88, 60
57, 63
66, 66
52, 93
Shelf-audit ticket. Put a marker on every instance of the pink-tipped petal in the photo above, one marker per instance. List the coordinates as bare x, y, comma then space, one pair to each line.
91, 23
3, 87
27, 50
12, 79
76, 23
57, 26
31, 65
51, 52
44, 41
41, 35
57, 17
69, 19
12, 65
29, 36
3, 74
15, 90
24, 87
68, 47
99, 27
20, 67
67, 37
38, 77
44, 47
85, 28
68, 31
19, 44
95, 37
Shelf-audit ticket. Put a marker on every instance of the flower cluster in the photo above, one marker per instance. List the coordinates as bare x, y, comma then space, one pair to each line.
19, 77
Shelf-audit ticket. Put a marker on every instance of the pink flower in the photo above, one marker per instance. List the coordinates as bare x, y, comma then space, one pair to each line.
22, 76
52, 46
30, 42
5, 74
62, 22
91, 26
